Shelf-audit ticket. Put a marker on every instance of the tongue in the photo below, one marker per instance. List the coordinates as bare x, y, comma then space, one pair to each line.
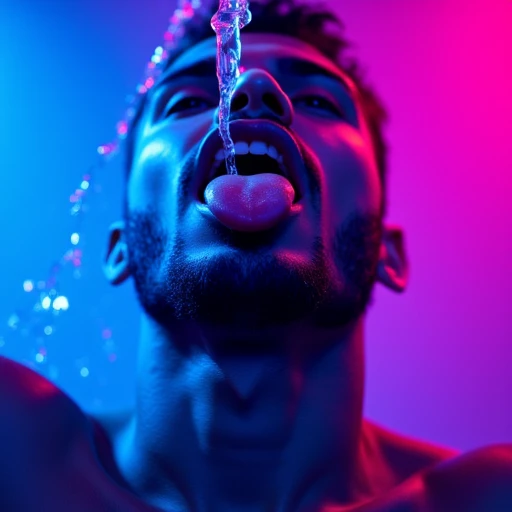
250, 203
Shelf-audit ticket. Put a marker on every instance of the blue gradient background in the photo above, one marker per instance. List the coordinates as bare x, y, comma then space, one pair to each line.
439, 356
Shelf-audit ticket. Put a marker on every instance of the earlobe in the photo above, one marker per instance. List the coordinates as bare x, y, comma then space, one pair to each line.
393, 269
116, 264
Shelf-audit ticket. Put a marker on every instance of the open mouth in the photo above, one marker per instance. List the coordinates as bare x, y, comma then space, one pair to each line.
261, 147
250, 164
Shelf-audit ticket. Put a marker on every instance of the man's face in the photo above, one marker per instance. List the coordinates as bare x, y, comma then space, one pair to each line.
319, 262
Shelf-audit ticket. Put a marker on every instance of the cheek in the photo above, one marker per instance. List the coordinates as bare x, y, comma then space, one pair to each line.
151, 176
158, 160
351, 180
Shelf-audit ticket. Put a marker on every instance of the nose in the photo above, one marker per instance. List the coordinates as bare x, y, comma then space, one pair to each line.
257, 95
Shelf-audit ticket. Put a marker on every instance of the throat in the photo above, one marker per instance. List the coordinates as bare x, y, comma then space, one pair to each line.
245, 364
247, 428
244, 373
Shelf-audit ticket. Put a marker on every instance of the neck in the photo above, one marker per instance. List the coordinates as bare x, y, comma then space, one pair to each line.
216, 429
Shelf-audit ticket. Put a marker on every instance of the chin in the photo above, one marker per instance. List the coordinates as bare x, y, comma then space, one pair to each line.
234, 286
257, 287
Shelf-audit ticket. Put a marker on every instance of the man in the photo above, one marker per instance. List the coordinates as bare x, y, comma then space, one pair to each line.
253, 291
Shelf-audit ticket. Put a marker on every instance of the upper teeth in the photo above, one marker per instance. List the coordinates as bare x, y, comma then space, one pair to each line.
256, 147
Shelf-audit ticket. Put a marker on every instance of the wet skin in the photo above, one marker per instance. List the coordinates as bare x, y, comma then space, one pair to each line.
237, 411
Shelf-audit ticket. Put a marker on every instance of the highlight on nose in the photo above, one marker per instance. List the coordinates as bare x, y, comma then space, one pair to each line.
257, 93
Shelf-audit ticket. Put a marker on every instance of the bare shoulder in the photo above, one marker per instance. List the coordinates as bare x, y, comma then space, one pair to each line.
23, 390
436, 478
478, 481
431, 478
405, 455
38, 419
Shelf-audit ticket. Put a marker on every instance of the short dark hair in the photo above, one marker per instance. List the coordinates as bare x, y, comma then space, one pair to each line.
306, 22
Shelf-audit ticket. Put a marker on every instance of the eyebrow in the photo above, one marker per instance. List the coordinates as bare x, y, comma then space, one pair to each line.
291, 67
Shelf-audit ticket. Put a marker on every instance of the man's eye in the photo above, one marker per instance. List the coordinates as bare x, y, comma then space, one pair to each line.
188, 105
319, 103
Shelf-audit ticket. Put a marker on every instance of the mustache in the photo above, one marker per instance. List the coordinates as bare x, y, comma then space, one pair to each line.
313, 173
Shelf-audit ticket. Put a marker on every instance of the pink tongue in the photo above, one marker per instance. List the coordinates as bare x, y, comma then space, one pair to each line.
250, 203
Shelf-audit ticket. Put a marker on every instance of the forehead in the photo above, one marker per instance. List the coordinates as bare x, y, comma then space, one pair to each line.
262, 50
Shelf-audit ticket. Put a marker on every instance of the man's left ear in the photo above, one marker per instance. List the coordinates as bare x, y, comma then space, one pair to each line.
393, 269
115, 265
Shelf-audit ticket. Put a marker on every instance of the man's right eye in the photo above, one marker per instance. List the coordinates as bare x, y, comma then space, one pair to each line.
188, 105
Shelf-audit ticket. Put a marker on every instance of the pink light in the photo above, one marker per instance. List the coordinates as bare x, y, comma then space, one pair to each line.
149, 82
106, 334
106, 149
188, 10
122, 128
112, 358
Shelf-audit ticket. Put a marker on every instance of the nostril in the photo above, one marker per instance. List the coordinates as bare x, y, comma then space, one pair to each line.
239, 102
273, 103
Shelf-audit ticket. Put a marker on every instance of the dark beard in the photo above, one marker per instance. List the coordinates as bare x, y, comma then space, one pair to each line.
252, 287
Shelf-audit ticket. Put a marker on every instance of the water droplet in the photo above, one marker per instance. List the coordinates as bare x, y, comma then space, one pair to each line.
28, 285
227, 22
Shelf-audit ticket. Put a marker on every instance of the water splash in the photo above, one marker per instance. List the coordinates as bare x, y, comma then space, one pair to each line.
228, 20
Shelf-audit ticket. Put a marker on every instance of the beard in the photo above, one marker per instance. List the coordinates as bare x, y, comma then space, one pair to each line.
251, 287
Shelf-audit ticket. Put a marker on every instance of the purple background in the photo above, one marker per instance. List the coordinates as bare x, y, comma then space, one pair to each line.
439, 356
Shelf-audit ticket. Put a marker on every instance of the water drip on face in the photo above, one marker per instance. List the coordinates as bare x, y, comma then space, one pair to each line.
227, 22
258, 199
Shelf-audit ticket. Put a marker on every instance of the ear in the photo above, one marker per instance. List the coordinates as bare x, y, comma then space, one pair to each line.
393, 269
115, 266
